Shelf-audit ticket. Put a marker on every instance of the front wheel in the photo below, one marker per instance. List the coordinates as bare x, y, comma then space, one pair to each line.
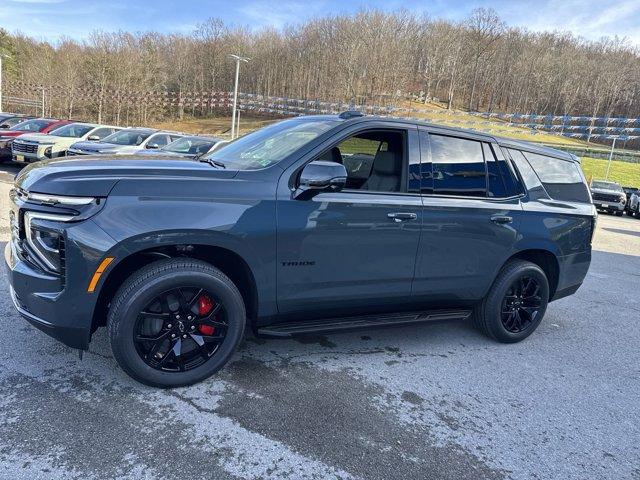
175, 322
619, 213
515, 304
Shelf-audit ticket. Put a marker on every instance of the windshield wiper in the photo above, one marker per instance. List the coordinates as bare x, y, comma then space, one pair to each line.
212, 162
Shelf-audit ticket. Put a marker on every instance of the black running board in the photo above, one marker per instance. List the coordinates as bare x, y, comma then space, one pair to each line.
290, 329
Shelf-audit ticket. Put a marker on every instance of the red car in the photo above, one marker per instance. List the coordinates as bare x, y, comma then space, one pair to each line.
33, 125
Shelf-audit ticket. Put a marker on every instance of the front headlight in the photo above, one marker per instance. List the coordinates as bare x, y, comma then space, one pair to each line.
45, 243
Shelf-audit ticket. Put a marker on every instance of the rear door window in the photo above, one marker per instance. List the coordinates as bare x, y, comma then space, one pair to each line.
501, 180
458, 166
561, 178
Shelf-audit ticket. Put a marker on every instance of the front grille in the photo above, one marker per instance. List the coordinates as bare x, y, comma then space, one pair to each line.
25, 147
606, 197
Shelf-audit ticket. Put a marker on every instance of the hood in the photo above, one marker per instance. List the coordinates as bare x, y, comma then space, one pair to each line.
89, 147
103, 147
95, 176
40, 138
11, 133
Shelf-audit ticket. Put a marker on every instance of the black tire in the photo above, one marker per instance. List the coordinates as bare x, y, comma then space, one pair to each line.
145, 285
488, 316
619, 213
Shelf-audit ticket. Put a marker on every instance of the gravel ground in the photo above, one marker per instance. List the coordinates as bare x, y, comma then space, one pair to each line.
434, 401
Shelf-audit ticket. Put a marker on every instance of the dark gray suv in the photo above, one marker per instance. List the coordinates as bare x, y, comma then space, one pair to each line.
312, 224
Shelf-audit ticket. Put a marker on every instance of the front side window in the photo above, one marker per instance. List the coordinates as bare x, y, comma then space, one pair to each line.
561, 178
373, 160
72, 130
127, 137
270, 145
457, 166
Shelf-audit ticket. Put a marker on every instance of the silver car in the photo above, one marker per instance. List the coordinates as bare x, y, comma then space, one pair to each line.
125, 142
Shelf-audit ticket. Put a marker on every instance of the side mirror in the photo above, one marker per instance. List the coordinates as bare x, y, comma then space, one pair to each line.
320, 176
5, 125
93, 138
153, 146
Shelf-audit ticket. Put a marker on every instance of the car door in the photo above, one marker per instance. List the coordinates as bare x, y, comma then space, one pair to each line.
471, 213
354, 249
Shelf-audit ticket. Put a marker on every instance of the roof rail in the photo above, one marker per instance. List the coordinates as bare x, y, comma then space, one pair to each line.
350, 114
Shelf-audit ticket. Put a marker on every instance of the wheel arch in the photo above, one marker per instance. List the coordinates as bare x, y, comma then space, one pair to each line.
546, 260
230, 262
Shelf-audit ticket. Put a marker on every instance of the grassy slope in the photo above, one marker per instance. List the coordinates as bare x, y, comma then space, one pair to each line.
627, 174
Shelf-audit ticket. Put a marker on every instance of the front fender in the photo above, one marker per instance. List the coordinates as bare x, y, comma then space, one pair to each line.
244, 227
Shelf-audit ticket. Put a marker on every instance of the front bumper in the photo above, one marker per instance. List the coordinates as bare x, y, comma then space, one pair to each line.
609, 206
60, 305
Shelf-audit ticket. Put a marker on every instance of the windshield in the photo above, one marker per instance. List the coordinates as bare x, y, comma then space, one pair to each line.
606, 186
32, 125
127, 137
190, 146
75, 130
271, 144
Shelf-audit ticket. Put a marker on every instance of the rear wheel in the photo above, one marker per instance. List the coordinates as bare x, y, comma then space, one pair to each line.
515, 304
619, 213
175, 322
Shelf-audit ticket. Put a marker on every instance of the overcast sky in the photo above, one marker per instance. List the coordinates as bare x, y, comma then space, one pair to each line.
51, 19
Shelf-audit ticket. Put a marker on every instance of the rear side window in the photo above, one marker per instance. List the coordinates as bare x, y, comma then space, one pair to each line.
501, 181
458, 166
560, 178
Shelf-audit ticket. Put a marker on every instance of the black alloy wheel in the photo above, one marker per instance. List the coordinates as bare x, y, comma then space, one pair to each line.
180, 329
521, 305
175, 322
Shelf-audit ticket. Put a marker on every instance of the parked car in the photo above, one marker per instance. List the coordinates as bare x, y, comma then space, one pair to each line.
633, 205
608, 196
34, 125
39, 146
629, 191
126, 141
188, 147
284, 232
10, 120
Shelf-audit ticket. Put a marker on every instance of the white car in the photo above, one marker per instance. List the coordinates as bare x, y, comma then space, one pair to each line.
39, 146
126, 142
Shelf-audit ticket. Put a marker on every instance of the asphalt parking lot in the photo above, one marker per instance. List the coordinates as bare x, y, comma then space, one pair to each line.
433, 401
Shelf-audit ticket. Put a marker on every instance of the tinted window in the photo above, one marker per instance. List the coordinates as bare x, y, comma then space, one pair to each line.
561, 178
529, 177
501, 180
373, 160
458, 166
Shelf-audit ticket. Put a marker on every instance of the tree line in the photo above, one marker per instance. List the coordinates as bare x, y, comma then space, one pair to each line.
373, 57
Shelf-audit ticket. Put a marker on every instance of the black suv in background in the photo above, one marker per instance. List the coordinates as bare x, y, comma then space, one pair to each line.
608, 197
311, 224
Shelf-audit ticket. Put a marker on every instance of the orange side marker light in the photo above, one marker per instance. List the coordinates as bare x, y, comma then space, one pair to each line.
96, 276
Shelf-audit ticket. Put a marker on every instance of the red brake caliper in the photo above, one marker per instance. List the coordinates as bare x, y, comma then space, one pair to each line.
205, 305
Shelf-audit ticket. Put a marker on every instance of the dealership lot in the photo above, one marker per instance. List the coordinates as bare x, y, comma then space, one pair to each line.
431, 401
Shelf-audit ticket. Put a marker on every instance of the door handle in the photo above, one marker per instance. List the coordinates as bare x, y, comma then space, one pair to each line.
501, 219
402, 216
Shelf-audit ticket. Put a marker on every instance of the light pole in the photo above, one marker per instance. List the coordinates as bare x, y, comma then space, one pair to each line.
1, 56
613, 145
238, 59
